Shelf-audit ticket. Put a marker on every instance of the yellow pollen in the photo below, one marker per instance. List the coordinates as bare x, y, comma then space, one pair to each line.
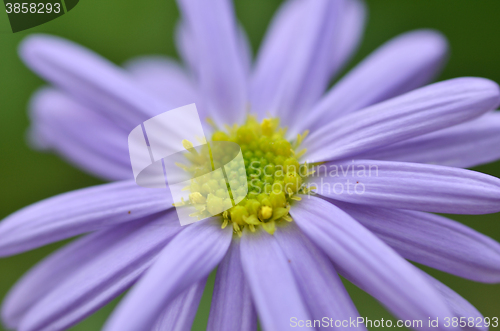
266, 212
271, 170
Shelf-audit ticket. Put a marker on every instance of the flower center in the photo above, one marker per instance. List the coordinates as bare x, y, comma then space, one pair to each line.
271, 172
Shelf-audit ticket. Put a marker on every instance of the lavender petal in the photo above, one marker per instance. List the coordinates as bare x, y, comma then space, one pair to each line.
73, 213
180, 313
321, 287
274, 290
432, 240
90, 79
94, 281
369, 263
80, 135
221, 70
461, 308
232, 308
165, 78
404, 63
186, 260
412, 186
187, 47
464, 146
413, 114
294, 65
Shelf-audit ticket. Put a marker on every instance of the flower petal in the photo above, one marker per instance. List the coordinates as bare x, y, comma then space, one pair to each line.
90, 79
164, 77
88, 282
186, 260
274, 290
465, 145
412, 186
421, 111
433, 240
83, 137
350, 32
77, 212
232, 308
368, 262
49, 273
460, 307
321, 287
294, 64
221, 69
180, 313
400, 65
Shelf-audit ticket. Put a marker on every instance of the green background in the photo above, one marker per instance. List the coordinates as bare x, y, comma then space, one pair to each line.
121, 29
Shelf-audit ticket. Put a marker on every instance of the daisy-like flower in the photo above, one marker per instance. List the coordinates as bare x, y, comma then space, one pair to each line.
280, 252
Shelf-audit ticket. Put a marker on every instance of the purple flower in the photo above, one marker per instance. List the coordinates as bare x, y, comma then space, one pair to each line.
415, 138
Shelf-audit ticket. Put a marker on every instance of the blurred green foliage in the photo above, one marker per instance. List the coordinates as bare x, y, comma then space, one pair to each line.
121, 29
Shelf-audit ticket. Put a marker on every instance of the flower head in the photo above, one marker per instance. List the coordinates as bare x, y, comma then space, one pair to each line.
355, 196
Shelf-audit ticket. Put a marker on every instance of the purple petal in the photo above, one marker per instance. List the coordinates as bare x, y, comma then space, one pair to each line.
232, 308
75, 282
460, 307
368, 262
90, 79
186, 260
180, 313
70, 214
316, 277
349, 34
401, 65
433, 240
221, 69
407, 185
83, 137
49, 273
294, 65
186, 45
164, 77
421, 111
274, 290
465, 145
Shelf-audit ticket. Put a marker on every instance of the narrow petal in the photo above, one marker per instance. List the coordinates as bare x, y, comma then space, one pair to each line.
316, 277
165, 78
464, 146
232, 308
186, 260
180, 313
274, 290
404, 63
461, 308
433, 240
369, 263
350, 32
187, 47
80, 135
90, 79
294, 64
221, 69
49, 273
77, 212
412, 186
88, 282
421, 111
